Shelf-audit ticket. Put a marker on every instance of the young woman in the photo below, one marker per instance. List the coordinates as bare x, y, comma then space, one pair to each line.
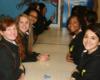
90, 17
89, 67
75, 47
42, 19
26, 37
36, 26
9, 56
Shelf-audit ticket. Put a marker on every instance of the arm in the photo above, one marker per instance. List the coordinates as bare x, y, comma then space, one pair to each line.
48, 22
40, 56
69, 58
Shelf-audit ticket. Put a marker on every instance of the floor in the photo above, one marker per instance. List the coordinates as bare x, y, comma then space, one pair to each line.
54, 42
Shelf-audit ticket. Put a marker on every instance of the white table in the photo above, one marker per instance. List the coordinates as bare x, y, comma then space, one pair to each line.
55, 69
55, 43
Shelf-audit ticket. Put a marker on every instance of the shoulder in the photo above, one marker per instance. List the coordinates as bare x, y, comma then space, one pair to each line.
3, 53
97, 53
96, 60
3, 48
80, 34
79, 37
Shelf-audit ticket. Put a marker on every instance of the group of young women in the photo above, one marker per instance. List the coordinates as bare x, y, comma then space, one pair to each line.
10, 66
84, 46
16, 44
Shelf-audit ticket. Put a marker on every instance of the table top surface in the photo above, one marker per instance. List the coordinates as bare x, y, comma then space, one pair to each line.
55, 69
55, 43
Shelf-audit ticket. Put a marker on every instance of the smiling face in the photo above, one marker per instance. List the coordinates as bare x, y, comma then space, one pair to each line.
10, 33
74, 25
33, 17
91, 41
23, 24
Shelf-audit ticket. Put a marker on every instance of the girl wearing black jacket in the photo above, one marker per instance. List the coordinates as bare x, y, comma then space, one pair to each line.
76, 46
42, 17
9, 55
89, 67
26, 39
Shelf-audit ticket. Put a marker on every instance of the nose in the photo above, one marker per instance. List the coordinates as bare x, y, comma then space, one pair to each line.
87, 40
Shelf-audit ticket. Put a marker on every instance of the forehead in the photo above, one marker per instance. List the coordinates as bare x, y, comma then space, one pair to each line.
73, 19
24, 18
12, 26
33, 13
90, 33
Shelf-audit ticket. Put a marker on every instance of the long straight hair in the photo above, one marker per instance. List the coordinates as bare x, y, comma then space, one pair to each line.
30, 36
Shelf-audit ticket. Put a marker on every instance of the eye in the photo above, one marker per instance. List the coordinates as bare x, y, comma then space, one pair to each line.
93, 38
20, 22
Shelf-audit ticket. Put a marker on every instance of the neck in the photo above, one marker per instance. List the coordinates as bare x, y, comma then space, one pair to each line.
78, 31
91, 51
11, 41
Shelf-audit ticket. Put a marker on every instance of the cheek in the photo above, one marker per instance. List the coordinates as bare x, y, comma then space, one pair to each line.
16, 33
76, 26
7, 35
21, 25
84, 42
21, 28
27, 27
96, 43
73, 28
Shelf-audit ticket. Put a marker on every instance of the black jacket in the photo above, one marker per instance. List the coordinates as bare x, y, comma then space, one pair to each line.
28, 56
89, 67
9, 61
44, 22
76, 47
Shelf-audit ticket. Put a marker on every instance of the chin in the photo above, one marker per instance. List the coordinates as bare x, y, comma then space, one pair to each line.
12, 39
87, 48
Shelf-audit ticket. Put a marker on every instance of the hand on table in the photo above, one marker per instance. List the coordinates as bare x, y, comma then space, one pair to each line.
69, 58
43, 57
